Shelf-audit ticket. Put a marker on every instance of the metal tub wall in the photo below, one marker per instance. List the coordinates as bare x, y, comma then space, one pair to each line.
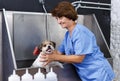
29, 31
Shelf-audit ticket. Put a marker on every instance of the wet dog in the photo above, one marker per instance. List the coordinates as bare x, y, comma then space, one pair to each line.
46, 47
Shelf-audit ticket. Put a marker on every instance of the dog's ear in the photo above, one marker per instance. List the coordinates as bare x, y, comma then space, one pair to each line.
40, 47
54, 44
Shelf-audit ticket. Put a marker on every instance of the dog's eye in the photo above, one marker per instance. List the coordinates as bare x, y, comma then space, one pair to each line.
50, 43
44, 45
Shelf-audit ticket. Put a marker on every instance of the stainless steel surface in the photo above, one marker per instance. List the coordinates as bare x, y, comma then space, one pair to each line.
9, 16
29, 31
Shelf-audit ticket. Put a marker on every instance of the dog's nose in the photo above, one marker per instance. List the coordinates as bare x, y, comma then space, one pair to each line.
49, 47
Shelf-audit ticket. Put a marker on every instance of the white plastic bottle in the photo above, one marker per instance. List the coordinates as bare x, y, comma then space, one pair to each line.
39, 76
51, 76
14, 77
27, 76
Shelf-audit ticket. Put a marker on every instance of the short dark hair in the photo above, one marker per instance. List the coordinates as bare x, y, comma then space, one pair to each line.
65, 9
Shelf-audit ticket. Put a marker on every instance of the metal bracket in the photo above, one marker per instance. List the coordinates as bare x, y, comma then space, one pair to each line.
91, 5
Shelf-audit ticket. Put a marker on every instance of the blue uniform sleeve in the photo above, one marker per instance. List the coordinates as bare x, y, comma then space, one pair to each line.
84, 44
61, 47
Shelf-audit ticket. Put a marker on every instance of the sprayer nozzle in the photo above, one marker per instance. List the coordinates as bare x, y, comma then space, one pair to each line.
41, 1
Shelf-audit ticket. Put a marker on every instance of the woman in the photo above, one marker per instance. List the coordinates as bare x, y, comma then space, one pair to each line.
79, 47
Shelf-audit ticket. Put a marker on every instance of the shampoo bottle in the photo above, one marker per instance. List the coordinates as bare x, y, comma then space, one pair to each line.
51, 76
39, 76
14, 77
27, 76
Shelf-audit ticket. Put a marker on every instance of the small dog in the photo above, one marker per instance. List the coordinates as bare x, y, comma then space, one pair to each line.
46, 47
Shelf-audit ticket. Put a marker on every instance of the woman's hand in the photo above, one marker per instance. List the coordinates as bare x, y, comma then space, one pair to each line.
47, 58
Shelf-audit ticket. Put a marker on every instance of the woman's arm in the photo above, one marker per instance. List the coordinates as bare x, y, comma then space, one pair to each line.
70, 58
57, 56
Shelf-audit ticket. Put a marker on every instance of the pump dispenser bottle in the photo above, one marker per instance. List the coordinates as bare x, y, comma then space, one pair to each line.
14, 77
51, 76
39, 76
27, 76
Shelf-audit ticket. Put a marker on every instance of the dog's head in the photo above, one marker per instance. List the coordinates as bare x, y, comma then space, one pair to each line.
47, 46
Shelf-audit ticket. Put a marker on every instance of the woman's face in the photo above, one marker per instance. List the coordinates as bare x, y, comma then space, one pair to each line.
64, 22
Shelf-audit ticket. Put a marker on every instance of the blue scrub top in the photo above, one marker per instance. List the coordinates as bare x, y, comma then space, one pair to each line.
95, 66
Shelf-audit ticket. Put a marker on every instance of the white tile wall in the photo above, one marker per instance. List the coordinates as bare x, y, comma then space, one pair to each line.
115, 36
